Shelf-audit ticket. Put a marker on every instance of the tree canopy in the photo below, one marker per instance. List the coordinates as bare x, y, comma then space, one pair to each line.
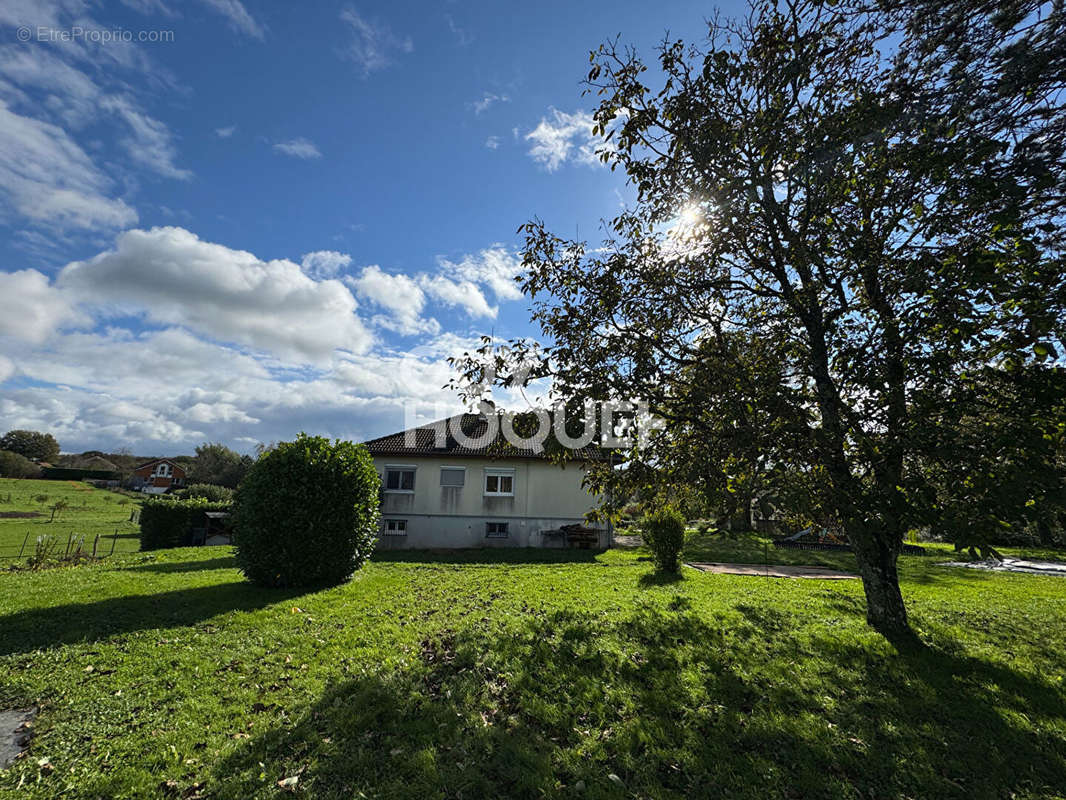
842, 212
33, 445
217, 464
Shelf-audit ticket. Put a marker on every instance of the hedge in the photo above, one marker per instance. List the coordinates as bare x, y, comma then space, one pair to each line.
208, 491
73, 474
168, 522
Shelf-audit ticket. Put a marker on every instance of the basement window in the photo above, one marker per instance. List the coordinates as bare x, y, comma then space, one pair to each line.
495, 530
395, 527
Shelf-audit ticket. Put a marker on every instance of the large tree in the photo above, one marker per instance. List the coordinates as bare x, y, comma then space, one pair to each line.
831, 182
217, 464
33, 445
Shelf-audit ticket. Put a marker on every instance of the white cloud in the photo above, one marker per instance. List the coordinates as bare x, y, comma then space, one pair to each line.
298, 148
457, 294
46, 177
31, 309
167, 391
487, 100
149, 7
233, 10
399, 295
71, 94
228, 347
225, 133
494, 267
149, 142
239, 18
462, 36
565, 137
493, 142
373, 45
325, 263
51, 94
173, 278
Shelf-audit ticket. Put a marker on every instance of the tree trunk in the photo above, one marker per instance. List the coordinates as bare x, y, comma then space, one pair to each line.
1043, 529
885, 611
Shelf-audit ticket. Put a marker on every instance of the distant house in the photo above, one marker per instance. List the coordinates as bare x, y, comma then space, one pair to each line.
158, 476
438, 493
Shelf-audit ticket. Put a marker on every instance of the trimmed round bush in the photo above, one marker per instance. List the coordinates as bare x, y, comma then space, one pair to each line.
306, 514
664, 533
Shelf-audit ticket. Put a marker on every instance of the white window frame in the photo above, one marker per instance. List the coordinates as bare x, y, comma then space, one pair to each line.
497, 472
395, 531
452, 485
505, 534
400, 468
162, 471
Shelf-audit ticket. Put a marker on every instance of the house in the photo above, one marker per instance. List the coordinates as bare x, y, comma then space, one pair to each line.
158, 476
441, 493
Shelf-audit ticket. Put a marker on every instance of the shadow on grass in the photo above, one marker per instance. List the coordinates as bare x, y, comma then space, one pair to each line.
650, 579
227, 562
669, 704
41, 628
502, 555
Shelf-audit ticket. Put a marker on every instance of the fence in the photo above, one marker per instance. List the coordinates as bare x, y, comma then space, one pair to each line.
74, 546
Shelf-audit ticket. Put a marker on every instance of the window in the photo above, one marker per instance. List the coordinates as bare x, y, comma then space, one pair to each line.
495, 530
453, 476
399, 479
162, 470
395, 527
499, 482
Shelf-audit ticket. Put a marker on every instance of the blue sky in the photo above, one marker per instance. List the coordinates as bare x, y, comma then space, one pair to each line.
284, 216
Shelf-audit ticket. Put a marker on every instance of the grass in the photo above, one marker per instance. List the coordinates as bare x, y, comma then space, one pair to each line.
88, 512
530, 674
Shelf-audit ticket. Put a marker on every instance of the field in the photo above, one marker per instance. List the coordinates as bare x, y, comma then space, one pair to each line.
529, 674
88, 512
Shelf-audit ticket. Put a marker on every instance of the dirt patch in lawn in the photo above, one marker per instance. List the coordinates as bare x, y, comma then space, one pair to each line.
16, 727
773, 571
19, 514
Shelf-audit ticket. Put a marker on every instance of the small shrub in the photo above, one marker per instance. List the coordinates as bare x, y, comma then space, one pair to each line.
57, 509
306, 514
207, 491
664, 533
167, 521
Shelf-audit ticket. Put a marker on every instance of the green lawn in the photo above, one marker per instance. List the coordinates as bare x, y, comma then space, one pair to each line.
89, 512
529, 674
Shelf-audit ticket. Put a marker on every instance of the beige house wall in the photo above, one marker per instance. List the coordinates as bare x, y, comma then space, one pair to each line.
546, 496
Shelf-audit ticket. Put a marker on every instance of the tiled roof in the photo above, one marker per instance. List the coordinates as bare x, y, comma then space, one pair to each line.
157, 461
428, 437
